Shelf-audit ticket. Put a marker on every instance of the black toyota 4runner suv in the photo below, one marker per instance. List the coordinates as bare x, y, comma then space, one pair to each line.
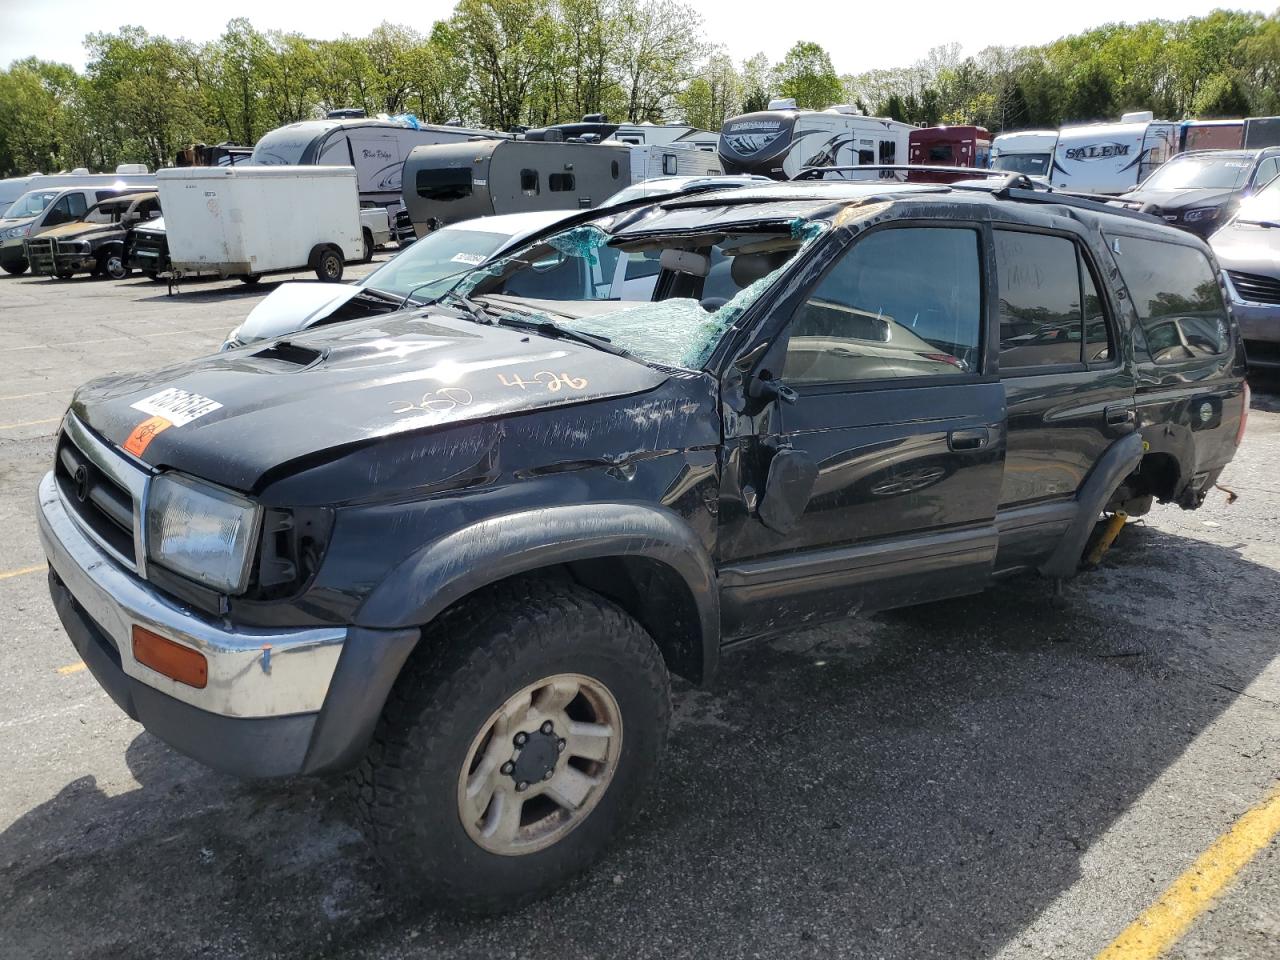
458, 549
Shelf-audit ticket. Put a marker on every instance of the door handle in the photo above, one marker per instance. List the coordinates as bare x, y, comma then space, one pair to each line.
974, 439
1119, 415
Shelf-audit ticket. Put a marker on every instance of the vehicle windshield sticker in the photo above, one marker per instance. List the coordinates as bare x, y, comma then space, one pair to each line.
179, 407
473, 259
144, 433
1236, 164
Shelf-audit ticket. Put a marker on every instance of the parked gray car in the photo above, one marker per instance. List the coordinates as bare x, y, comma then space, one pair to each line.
1248, 249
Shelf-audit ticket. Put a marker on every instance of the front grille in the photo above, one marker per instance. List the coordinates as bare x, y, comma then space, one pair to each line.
1255, 288
403, 228
101, 489
40, 254
150, 252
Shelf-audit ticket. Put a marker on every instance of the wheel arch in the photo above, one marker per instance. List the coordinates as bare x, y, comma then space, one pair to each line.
644, 558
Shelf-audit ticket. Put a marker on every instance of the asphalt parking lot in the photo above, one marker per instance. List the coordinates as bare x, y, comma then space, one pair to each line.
998, 776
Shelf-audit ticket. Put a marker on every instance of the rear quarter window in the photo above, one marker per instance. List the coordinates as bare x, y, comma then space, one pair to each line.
1175, 291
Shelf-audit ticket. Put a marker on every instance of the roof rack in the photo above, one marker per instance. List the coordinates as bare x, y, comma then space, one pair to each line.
1013, 186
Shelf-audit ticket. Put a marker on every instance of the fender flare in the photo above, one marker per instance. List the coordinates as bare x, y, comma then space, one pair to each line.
444, 571
1119, 460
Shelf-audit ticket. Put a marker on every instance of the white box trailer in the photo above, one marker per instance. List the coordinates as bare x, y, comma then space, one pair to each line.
244, 221
1024, 151
1112, 158
672, 160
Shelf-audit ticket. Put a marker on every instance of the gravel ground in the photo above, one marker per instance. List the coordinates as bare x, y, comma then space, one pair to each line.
992, 776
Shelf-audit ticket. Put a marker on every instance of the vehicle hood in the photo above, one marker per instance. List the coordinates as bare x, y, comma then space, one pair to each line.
260, 408
1174, 200
1248, 248
291, 307
81, 231
7, 222
154, 225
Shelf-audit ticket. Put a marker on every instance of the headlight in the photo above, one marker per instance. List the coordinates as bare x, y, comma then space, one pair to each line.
201, 531
1201, 213
13, 233
233, 340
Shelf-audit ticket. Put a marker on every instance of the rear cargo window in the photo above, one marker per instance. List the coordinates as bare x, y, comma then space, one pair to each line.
560, 182
444, 185
1176, 294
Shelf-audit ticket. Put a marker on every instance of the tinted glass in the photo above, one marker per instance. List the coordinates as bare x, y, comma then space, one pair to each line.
559, 182
1188, 173
900, 303
444, 185
1176, 294
1032, 164
1267, 170
1040, 318
78, 204
1097, 335
529, 181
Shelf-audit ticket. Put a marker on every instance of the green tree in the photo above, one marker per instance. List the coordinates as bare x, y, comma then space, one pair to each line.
714, 95
755, 75
1221, 96
806, 74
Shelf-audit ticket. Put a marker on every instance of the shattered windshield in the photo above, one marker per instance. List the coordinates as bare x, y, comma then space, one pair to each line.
663, 297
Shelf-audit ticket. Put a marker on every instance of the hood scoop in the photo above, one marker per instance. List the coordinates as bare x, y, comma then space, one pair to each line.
292, 357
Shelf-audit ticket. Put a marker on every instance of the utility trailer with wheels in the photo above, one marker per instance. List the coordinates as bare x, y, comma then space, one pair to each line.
245, 221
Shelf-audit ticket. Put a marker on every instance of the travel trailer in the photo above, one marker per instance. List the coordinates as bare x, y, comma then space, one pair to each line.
782, 141
376, 148
1024, 151
671, 160
1261, 132
667, 134
960, 146
1211, 135
445, 183
1112, 158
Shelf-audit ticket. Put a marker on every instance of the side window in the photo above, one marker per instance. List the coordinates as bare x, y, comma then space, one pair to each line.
643, 263
1266, 170
1176, 294
560, 182
1050, 311
669, 164
451, 183
529, 182
78, 204
888, 157
60, 212
902, 302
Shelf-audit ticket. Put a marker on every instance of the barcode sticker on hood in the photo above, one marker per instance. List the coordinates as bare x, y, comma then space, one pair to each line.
179, 407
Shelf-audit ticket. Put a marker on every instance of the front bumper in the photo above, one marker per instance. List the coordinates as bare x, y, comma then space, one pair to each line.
11, 252
49, 258
1259, 328
277, 702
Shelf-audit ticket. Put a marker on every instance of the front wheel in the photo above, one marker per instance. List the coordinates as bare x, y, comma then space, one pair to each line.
513, 746
368, 245
328, 265
249, 279
15, 267
113, 266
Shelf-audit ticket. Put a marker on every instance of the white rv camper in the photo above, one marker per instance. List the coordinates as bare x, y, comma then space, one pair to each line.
668, 134
376, 148
1112, 158
672, 160
782, 141
1024, 151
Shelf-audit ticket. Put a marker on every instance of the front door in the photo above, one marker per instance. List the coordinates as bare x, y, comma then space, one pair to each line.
905, 427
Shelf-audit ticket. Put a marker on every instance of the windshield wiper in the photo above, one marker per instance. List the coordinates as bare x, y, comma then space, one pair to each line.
1262, 223
469, 305
549, 328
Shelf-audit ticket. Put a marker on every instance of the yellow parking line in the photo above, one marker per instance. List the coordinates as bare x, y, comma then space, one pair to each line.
1166, 920
72, 668
28, 423
25, 396
5, 575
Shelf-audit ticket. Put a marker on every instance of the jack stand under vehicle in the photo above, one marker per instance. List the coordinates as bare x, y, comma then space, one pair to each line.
1108, 537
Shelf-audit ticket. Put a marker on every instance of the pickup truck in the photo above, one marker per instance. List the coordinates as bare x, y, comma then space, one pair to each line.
458, 550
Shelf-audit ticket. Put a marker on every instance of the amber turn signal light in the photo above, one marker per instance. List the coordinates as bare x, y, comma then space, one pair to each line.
172, 659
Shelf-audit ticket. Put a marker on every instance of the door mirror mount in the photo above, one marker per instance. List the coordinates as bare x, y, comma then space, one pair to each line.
768, 389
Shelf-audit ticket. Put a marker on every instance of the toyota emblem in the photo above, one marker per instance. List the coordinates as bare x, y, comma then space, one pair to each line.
81, 479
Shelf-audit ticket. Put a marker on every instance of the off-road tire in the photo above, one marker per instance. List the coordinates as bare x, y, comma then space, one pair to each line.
16, 268
368, 245
328, 264
469, 662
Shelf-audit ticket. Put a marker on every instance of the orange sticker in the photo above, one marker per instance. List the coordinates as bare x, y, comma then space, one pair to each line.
144, 433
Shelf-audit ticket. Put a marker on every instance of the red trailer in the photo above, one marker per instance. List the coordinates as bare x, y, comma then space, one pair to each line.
961, 146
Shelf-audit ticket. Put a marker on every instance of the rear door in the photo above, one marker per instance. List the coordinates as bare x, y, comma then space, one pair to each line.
905, 428
1068, 381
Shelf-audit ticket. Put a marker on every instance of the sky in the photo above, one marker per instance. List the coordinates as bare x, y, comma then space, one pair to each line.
859, 36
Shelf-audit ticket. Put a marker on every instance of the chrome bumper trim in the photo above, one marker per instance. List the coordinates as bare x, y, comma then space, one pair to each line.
252, 672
